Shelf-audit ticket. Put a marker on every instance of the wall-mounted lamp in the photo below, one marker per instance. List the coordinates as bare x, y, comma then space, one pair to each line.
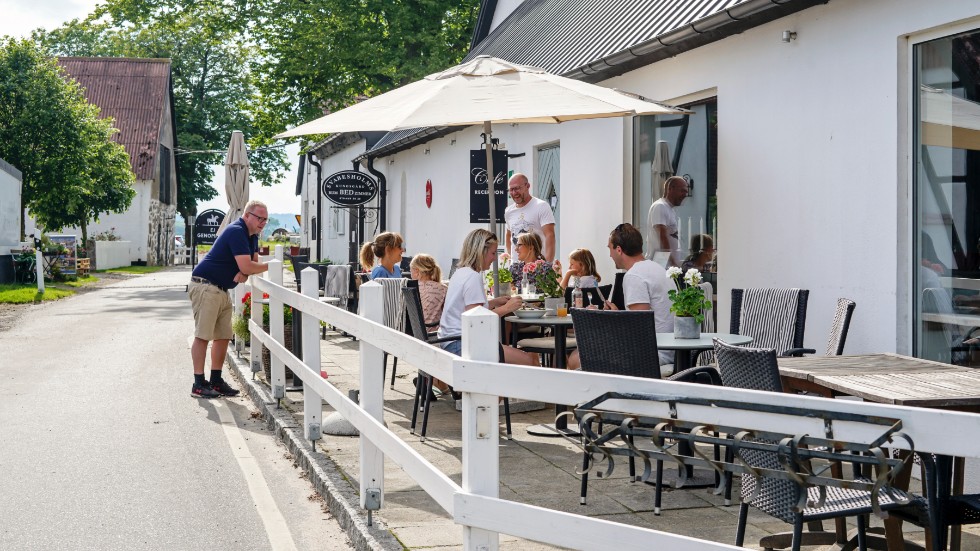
789, 36
391, 161
426, 150
453, 142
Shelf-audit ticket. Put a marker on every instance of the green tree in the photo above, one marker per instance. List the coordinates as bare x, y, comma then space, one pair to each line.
72, 170
213, 88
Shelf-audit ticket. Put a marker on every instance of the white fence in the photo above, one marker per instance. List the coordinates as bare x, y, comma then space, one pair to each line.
112, 254
475, 504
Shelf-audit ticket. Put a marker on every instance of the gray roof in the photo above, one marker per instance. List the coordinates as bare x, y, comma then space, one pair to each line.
597, 40
9, 169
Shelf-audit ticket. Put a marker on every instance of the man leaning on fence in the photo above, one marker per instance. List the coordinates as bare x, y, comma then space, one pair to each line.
232, 258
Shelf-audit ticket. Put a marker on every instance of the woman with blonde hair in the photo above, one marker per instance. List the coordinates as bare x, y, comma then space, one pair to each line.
431, 290
467, 291
581, 264
387, 249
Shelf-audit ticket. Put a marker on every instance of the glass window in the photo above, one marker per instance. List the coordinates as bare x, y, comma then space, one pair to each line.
684, 146
946, 199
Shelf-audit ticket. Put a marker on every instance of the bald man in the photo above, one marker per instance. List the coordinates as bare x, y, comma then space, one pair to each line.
662, 220
528, 214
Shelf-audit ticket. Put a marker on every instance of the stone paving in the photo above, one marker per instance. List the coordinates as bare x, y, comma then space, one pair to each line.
533, 470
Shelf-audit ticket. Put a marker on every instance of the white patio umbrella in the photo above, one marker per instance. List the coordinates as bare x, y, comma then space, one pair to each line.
236, 179
484, 90
661, 169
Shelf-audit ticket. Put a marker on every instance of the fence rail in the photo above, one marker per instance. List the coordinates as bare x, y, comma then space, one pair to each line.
475, 504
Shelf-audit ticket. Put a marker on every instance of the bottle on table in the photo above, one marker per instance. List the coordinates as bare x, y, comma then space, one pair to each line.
576, 295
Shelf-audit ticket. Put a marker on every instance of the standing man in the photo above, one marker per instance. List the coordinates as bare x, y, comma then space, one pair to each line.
232, 258
662, 219
528, 214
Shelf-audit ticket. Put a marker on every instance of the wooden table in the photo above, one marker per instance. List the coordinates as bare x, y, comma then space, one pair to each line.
890, 379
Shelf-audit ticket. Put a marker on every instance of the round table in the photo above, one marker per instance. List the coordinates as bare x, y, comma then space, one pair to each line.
684, 347
560, 324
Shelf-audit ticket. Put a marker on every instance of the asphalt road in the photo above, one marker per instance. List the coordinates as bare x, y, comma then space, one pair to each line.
103, 447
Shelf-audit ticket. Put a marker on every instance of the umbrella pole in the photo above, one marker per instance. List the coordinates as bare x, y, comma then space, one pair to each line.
488, 145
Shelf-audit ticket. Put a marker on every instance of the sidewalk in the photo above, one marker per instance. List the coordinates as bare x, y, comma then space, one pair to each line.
533, 470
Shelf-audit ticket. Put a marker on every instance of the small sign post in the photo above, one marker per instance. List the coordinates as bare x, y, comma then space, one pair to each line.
479, 205
205, 231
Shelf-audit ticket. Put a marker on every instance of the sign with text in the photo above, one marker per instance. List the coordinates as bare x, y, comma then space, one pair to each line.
479, 206
350, 188
206, 226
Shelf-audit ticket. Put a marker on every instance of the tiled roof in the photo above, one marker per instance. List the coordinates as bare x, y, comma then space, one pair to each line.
131, 91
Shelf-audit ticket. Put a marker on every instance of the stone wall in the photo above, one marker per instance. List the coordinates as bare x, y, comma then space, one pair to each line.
160, 237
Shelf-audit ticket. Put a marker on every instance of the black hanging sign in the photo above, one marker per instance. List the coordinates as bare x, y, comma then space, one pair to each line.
206, 226
350, 188
479, 206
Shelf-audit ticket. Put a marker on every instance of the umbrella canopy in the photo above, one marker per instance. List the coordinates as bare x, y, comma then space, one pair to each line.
484, 90
481, 90
949, 120
236, 179
661, 168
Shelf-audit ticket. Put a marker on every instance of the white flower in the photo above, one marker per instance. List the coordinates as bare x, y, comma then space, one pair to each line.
673, 272
692, 277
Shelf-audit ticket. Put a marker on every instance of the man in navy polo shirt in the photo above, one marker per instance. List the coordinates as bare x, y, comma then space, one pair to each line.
232, 258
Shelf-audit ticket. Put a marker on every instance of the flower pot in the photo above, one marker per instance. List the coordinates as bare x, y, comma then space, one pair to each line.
505, 289
294, 251
267, 356
686, 327
551, 306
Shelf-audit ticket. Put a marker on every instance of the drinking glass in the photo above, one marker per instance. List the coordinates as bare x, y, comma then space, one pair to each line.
562, 310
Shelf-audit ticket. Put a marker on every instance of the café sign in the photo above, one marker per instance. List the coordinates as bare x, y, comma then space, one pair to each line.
206, 226
350, 188
479, 205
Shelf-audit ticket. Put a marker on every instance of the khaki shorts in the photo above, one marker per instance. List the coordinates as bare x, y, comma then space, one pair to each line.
212, 312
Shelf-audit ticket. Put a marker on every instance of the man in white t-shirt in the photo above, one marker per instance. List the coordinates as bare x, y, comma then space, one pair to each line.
662, 220
645, 284
528, 214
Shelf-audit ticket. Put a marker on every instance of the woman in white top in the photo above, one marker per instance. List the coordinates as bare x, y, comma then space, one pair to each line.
466, 291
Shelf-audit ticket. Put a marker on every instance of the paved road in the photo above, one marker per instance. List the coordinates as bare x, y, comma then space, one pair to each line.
102, 446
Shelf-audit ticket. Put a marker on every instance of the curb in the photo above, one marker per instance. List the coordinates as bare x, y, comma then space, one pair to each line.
328, 480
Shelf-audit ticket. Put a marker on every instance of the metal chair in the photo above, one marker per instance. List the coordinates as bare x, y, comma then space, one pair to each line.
774, 318
945, 510
625, 343
423, 383
756, 369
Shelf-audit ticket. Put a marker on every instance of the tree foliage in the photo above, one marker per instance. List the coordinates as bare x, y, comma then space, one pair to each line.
72, 171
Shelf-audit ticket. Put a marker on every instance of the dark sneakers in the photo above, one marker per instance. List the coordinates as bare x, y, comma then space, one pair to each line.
204, 391
222, 388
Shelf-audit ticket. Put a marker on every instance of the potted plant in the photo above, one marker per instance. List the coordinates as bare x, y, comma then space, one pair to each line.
543, 276
504, 277
688, 302
287, 318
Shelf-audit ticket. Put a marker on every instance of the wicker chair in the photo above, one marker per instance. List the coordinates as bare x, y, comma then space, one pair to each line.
756, 369
625, 343
838, 331
945, 509
774, 318
423, 383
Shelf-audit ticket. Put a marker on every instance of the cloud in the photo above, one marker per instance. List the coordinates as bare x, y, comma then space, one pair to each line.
20, 17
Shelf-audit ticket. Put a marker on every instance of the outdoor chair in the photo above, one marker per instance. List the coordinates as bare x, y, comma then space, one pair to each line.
838, 331
423, 382
296, 260
945, 510
394, 313
706, 357
618, 298
625, 343
756, 369
774, 318
545, 345
452, 267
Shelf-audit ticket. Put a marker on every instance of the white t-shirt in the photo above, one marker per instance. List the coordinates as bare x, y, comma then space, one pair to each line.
662, 213
646, 283
532, 217
465, 288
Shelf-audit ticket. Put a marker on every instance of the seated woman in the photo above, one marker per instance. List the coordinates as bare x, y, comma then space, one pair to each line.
702, 253
387, 248
528, 250
466, 291
431, 289
581, 264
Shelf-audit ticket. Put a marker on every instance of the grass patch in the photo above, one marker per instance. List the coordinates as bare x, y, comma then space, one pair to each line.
27, 294
133, 270
81, 282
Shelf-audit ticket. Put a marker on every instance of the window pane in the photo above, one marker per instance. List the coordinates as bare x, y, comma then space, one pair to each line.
947, 197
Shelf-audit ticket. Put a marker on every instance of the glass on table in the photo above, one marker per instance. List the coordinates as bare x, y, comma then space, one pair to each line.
561, 310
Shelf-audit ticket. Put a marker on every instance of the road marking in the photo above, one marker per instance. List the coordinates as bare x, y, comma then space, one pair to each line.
275, 525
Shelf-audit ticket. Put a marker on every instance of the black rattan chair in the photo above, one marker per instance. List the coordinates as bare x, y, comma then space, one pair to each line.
838, 331
423, 382
625, 343
774, 318
756, 369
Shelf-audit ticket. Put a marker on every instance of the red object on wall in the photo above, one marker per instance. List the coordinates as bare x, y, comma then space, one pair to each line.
428, 194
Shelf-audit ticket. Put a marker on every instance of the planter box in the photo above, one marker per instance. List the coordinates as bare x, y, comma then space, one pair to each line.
111, 254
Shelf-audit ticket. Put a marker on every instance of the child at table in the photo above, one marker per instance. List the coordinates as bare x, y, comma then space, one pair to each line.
581, 264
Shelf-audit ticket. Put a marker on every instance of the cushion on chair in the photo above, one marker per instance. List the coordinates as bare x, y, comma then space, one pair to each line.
545, 344
769, 317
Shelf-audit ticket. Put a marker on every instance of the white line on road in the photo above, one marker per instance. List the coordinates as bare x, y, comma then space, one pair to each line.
275, 525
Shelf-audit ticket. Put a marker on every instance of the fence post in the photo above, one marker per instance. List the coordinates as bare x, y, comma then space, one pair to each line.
372, 399
39, 269
237, 307
278, 253
481, 458
277, 329
312, 403
255, 349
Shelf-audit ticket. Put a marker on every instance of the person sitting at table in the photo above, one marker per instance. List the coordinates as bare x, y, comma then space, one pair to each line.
645, 284
467, 291
432, 292
387, 248
528, 250
702, 254
581, 264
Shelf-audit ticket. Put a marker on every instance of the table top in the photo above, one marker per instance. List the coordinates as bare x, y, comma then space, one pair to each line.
890, 379
667, 341
547, 321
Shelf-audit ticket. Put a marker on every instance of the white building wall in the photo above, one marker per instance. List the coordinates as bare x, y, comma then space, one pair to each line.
10, 197
333, 224
812, 184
